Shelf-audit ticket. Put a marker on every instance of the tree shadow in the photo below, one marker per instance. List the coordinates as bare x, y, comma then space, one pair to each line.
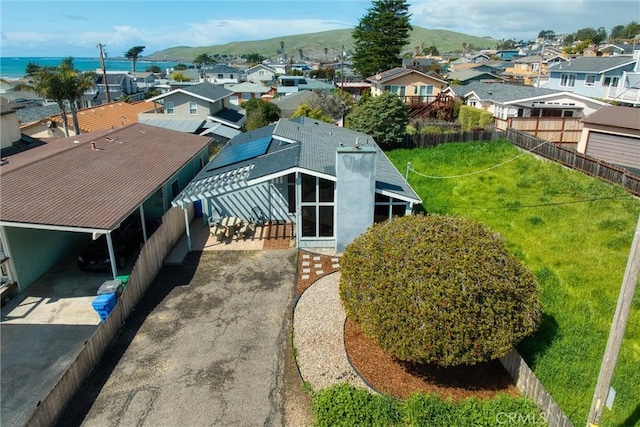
481, 376
533, 347
633, 419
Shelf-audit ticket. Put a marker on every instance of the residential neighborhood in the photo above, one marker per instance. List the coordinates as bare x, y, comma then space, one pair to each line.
229, 234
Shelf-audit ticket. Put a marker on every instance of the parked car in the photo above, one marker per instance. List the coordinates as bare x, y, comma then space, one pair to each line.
126, 239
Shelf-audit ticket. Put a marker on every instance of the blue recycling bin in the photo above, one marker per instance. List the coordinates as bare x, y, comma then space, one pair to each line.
103, 304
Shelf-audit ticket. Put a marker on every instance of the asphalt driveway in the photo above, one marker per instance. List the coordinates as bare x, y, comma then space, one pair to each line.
206, 346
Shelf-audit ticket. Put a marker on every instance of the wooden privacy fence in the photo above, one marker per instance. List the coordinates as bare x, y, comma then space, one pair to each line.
529, 384
575, 160
426, 140
144, 271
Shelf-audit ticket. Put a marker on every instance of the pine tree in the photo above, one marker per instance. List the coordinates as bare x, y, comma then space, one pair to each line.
380, 36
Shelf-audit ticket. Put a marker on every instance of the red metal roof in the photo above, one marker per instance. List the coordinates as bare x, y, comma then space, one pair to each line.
97, 182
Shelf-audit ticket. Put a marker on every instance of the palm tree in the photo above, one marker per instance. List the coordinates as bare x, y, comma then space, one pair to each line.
133, 54
326, 51
50, 84
77, 84
300, 53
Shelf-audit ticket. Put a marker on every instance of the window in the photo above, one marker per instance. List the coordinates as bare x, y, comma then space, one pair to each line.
398, 90
611, 81
387, 207
220, 76
168, 108
590, 80
193, 108
317, 206
568, 80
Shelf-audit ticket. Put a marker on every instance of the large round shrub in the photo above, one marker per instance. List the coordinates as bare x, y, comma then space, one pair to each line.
438, 289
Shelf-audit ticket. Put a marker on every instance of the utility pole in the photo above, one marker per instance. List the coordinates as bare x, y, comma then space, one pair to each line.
540, 62
616, 334
104, 71
342, 66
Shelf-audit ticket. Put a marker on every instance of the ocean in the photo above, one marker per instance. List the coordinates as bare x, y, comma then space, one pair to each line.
14, 67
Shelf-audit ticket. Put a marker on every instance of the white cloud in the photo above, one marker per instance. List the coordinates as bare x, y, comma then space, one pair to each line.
522, 19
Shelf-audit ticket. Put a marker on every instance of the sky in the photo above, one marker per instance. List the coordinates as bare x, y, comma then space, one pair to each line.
74, 28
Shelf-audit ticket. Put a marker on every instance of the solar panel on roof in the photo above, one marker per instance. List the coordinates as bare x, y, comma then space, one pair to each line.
239, 153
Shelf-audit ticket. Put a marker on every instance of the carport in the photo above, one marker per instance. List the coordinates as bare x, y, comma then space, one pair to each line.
54, 195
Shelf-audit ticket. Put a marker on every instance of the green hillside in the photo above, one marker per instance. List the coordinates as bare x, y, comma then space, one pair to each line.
313, 45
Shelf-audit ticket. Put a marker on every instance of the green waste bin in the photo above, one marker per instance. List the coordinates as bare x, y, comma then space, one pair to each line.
124, 279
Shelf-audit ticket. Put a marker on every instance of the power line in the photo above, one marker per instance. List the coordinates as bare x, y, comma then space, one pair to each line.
538, 205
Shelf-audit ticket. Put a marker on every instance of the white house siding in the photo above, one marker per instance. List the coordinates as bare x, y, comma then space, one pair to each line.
33, 251
10, 128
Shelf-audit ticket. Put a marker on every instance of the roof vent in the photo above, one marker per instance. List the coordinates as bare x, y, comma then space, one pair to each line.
76, 142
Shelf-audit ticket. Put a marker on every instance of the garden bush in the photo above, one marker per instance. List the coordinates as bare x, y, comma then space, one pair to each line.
438, 289
471, 117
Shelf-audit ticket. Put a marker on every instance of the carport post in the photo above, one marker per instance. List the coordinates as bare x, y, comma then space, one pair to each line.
186, 222
144, 225
112, 256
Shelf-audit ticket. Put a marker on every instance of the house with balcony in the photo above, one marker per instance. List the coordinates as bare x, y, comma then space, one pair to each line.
421, 92
204, 108
529, 67
606, 77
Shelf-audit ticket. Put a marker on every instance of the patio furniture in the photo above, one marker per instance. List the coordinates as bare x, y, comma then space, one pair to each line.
215, 218
220, 232
232, 224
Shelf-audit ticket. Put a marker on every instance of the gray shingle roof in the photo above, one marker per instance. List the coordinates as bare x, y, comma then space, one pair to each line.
313, 149
592, 64
502, 92
207, 90
615, 116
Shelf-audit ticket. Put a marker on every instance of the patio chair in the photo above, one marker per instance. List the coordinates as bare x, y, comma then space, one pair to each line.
258, 217
215, 218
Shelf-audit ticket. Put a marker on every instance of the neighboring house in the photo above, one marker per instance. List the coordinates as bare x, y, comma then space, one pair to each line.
144, 81
478, 57
467, 76
119, 84
194, 109
508, 54
58, 196
548, 114
342, 68
615, 49
220, 74
9, 124
332, 182
290, 103
260, 73
355, 88
612, 134
107, 116
422, 64
597, 77
493, 67
413, 86
529, 67
242, 92
293, 84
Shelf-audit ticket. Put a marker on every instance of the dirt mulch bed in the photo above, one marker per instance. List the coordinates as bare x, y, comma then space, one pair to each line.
400, 379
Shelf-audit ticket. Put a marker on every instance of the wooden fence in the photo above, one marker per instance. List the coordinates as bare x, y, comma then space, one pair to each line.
561, 130
144, 271
432, 139
575, 160
529, 384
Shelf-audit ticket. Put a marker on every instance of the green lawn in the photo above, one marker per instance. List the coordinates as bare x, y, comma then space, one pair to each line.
574, 232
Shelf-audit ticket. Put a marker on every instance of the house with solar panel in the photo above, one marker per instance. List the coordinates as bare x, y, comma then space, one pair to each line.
202, 109
331, 182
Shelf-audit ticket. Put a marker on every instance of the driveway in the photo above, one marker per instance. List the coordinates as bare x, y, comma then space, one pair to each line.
43, 329
206, 346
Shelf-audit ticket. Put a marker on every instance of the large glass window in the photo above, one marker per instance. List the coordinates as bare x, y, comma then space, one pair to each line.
387, 207
168, 107
568, 80
193, 108
317, 206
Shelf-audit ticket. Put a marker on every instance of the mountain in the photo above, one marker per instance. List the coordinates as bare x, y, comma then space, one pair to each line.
313, 45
